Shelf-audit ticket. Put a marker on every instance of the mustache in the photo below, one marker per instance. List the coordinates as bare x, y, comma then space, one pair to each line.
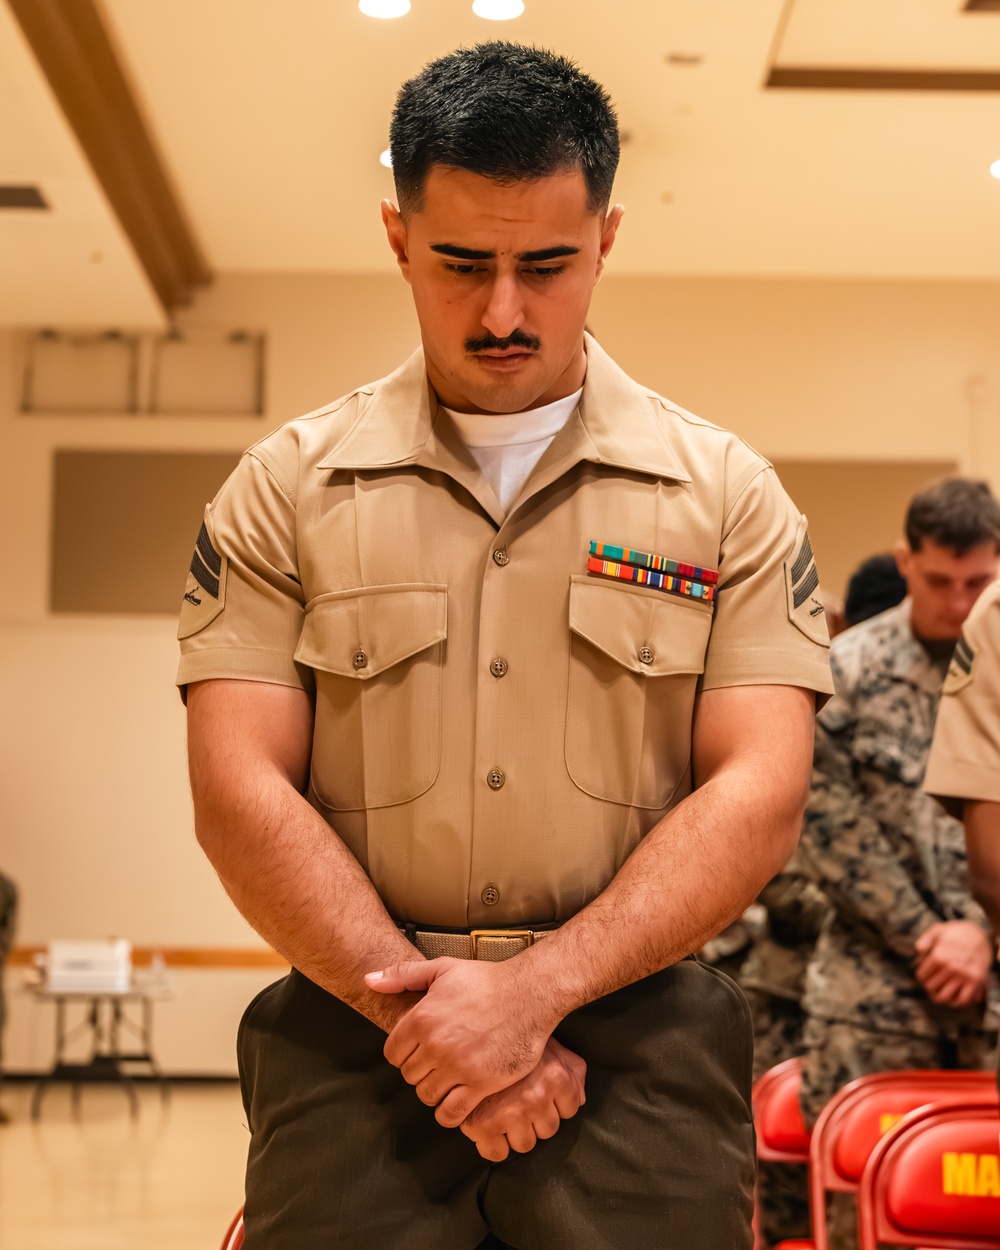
516, 338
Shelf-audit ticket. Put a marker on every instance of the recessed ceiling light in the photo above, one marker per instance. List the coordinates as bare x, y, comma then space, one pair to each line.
384, 8
498, 10
385, 158
995, 169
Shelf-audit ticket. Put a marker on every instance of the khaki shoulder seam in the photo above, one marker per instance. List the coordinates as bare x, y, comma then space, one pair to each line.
273, 470
741, 486
692, 418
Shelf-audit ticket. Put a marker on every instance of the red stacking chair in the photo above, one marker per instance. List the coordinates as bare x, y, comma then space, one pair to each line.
233, 1239
782, 1136
934, 1180
855, 1120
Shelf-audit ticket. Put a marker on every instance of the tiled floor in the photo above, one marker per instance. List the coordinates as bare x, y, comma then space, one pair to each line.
170, 1179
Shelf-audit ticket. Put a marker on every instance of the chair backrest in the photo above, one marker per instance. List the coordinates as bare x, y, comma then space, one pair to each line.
934, 1180
233, 1239
782, 1136
858, 1116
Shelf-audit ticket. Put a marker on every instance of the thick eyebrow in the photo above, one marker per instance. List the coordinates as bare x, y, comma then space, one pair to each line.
469, 253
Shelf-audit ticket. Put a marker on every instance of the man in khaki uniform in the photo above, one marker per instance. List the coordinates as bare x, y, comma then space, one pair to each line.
963, 770
500, 680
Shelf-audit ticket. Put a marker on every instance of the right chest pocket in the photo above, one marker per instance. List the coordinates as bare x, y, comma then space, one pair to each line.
635, 659
377, 654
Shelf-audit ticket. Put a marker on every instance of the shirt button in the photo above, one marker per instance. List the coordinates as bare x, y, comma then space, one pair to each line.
360, 659
498, 667
646, 655
490, 895
495, 779
500, 557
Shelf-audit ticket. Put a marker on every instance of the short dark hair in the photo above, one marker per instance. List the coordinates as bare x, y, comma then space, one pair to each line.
506, 111
875, 586
957, 512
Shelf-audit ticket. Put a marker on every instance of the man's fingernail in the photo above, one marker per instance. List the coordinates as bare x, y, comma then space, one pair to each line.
374, 976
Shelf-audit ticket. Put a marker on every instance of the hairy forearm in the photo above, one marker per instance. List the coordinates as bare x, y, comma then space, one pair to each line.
690, 876
289, 873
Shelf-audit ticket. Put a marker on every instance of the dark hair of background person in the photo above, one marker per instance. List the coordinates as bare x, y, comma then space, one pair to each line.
958, 513
508, 112
875, 586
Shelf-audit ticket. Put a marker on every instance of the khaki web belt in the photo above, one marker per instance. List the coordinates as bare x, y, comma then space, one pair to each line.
490, 944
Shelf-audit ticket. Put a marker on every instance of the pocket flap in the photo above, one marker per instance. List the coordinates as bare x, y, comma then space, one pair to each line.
646, 631
360, 633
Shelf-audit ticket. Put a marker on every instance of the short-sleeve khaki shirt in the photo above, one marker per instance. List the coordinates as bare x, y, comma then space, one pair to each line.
496, 729
964, 761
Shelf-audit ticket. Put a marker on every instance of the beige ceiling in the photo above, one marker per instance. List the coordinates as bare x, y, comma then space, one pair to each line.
270, 115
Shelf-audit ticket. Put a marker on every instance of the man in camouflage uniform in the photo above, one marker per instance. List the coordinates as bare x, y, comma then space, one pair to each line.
792, 909
899, 972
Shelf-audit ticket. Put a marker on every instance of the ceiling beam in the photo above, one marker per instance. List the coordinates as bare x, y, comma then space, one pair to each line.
806, 78
72, 47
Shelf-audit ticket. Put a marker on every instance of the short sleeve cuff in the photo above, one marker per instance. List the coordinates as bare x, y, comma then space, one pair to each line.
958, 779
242, 664
766, 667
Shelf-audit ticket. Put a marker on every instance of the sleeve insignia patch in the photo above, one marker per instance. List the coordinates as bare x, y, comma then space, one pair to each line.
205, 591
960, 669
206, 564
805, 608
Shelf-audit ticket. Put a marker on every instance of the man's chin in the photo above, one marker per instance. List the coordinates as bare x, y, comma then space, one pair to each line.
501, 397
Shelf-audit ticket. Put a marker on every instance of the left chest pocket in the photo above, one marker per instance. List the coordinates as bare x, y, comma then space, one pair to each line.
635, 658
377, 653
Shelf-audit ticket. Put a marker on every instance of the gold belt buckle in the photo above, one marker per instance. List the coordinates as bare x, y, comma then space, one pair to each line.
525, 935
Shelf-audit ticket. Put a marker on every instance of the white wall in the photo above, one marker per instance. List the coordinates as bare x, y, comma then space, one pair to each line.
95, 822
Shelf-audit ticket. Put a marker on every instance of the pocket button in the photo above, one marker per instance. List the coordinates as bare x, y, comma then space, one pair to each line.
645, 655
360, 659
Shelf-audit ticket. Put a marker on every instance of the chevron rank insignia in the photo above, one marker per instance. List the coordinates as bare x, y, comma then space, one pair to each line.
658, 572
960, 669
805, 608
205, 591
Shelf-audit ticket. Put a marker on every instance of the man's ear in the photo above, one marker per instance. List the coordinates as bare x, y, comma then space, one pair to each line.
395, 232
609, 231
904, 557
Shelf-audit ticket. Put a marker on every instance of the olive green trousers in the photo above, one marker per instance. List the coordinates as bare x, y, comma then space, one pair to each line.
344, 1156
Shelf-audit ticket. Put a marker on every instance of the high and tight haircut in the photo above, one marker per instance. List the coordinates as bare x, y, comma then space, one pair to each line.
957, 512
508, 112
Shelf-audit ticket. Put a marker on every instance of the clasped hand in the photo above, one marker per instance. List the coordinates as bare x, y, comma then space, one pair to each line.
954, 958
477, 1047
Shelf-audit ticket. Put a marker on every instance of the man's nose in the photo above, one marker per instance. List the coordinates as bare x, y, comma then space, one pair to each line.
504, 311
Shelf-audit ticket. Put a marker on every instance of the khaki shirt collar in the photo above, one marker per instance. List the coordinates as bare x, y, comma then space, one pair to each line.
616, 424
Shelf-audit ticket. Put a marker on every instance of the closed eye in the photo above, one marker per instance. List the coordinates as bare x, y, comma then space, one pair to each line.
464, 270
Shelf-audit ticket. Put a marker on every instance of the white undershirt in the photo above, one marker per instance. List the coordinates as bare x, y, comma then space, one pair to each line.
508, 445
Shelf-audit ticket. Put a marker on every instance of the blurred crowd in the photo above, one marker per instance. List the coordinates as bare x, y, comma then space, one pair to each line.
871, 951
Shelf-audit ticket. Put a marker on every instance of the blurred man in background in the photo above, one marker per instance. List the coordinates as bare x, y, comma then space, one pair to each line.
899, 973
781, 933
